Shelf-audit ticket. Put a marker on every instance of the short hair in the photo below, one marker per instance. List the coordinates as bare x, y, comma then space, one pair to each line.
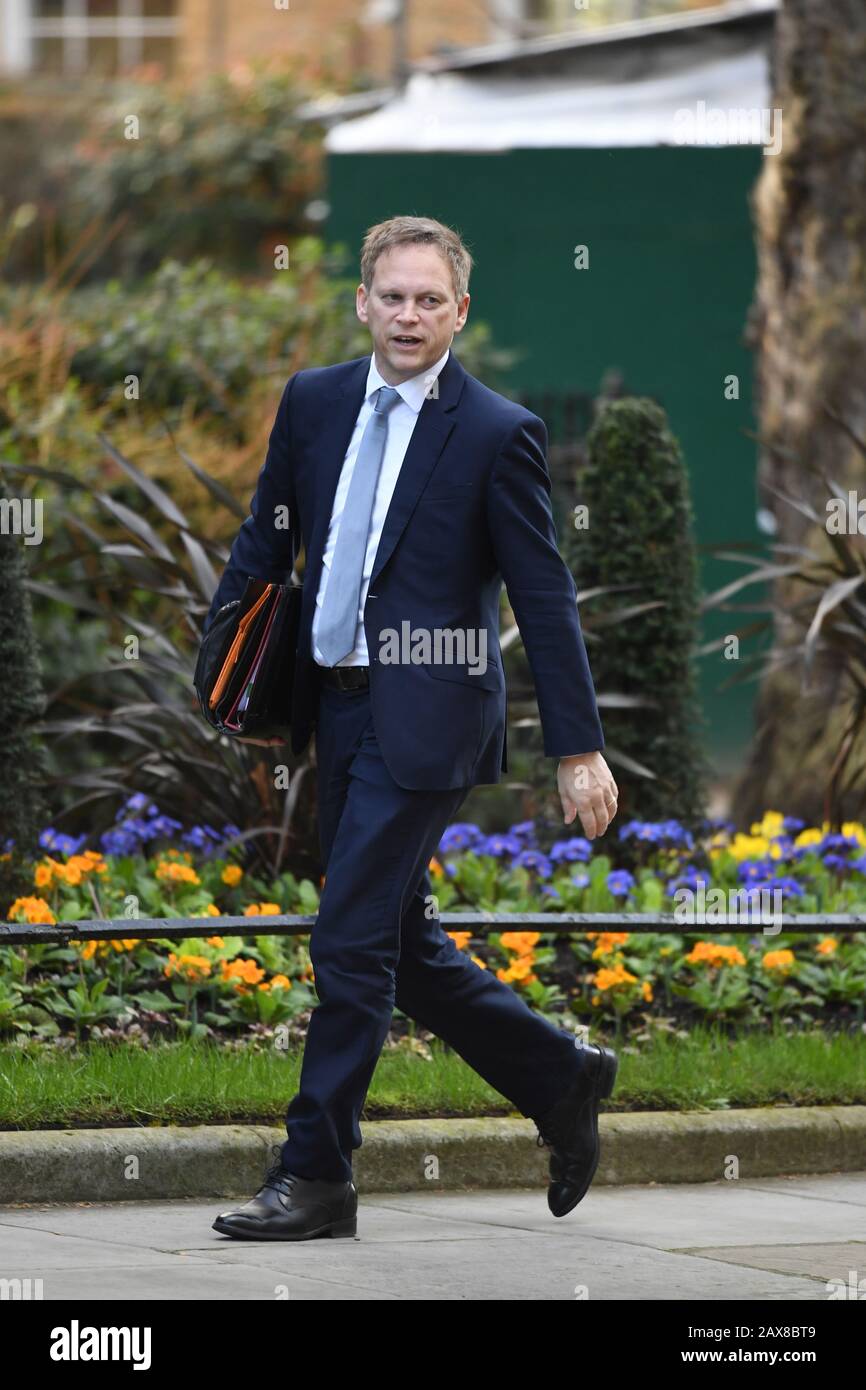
402, 231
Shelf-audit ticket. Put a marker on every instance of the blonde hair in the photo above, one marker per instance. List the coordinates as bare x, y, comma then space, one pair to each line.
402, 231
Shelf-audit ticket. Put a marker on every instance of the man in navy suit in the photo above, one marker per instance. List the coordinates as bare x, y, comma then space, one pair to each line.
415, 491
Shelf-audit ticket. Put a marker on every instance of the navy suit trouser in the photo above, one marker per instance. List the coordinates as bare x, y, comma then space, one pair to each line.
375, 945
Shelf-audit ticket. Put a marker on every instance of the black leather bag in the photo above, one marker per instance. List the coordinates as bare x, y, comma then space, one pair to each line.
246, 663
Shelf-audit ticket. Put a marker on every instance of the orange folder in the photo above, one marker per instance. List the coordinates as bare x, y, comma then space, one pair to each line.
234, 650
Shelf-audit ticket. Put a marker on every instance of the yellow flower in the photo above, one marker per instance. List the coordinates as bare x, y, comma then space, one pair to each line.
827, 946
281, 982
125, 944
42, 876
263, 910
770, 826
749, 846
479, 962
646, 990
809, 837
214, 941
435, 868
854, 828
232, 875
779, 960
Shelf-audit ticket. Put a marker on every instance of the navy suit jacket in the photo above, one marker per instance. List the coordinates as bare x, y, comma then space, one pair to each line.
470, 509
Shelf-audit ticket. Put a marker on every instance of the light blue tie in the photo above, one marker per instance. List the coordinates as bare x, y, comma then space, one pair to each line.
338, 620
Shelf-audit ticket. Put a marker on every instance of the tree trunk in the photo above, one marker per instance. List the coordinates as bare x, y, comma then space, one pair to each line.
808, 327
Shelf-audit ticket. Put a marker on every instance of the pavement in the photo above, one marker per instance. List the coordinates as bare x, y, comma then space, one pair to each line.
767, 1239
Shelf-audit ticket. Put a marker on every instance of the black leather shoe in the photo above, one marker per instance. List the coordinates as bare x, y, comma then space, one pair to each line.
570, 1129
289, 1207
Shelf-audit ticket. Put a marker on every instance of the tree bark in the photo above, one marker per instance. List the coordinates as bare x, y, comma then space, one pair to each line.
807, 325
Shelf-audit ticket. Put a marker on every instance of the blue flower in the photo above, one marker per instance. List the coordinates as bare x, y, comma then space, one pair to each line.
525, 828
61, 844
752, 869
837, 842
836, 861
620, 883
533, 859
580, 879
460, 835
139, 802
577, 848
550, 891
498, 845
118, 842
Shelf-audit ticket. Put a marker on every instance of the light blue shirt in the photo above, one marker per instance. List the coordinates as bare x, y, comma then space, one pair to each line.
401, 423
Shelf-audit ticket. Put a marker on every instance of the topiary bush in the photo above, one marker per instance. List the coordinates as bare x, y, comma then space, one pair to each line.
639, 539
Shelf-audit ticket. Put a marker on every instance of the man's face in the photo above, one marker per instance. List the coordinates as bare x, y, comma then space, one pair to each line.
411, 310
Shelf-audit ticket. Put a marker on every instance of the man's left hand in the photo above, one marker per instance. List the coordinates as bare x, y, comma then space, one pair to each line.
586, 788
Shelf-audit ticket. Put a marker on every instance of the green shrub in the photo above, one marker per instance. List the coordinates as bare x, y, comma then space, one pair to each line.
639, 539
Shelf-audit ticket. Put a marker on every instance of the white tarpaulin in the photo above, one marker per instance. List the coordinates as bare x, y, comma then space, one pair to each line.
720, 102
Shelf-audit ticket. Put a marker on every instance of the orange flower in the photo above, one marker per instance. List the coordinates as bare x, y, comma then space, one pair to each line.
232, 875
241, 973
34, 910
173, 872
263, 910
461, 939
609, 978
192, 968
827, 946
520, 941
712, 953
435, 868
779, 960
482, 965
608, 942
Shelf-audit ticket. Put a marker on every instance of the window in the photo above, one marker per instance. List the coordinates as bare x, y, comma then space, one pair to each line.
99, 38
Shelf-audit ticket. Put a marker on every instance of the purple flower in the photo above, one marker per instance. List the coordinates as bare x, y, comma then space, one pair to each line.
620, 883
753, 869
533, 859
61, 844
498, 845
550, 891
460, 835
580, 879
577, 848
524, 828
118, 842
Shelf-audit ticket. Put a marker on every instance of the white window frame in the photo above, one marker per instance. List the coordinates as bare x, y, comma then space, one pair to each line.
20, 27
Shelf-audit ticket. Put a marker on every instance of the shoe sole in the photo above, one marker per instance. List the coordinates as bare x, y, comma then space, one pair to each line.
605, 1078
336, 1229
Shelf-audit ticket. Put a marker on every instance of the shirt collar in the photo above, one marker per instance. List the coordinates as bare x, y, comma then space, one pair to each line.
413, 391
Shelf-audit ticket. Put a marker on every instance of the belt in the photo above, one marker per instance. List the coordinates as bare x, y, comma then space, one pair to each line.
346, 677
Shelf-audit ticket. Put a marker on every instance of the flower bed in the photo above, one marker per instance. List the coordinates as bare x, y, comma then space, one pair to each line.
223, 986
